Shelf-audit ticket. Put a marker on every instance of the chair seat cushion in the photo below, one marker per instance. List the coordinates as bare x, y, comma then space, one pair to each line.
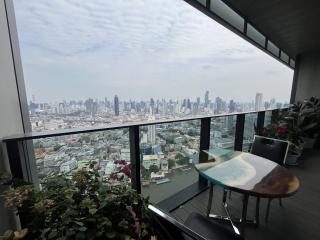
208, 229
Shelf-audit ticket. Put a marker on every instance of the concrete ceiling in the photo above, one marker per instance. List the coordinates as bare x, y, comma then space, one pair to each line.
293, 25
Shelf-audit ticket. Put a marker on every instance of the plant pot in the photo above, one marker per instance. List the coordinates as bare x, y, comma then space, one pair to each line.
309, 142
292, 159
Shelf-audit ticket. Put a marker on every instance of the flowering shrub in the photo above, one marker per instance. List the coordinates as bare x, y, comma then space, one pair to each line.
82, 206
122, 172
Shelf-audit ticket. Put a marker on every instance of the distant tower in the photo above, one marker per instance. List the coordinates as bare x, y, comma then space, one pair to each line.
116, 105
206, 99
33, 98
232, 106
152, 106
151, 135
258, 103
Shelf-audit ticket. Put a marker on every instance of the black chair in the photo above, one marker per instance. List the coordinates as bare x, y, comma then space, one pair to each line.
273, 149
196, 227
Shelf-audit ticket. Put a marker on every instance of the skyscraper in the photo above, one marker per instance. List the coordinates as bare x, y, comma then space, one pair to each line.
116, 105
206, 99
232, 106
258, 103
151, 134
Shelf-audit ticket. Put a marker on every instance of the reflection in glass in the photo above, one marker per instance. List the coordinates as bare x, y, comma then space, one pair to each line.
223, 132
267, 118
249, 131
167, 151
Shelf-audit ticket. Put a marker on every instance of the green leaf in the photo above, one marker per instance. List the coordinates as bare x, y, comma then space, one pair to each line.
92, 211
79, 223
83, 229
111, 234
52, 234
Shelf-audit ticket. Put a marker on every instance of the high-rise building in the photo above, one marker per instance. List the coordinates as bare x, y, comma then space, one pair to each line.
206, 99
232, 106
151, 134
258, 103
116, 105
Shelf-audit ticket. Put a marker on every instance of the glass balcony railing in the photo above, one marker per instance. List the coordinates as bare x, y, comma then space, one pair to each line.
167, 151
223, 132
156, 159
249, 131
69, 153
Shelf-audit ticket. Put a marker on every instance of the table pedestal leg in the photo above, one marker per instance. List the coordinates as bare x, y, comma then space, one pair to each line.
244, 212
210, 200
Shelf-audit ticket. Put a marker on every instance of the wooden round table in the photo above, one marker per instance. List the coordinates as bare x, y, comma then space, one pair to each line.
248, 174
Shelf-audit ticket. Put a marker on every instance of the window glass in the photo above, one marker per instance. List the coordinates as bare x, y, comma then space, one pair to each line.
225, 12
167, 153
273, 48
222, 133
255, 35
284, 57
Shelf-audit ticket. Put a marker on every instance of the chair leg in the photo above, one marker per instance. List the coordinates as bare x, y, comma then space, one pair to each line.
268, 209
280, 202
224, 197
257, 218
230, 195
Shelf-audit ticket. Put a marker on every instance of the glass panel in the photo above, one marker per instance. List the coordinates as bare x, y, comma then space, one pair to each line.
249, 131
203, 2
292, 63
70, 153
223, 132
255, 35
267, 118
273, 48
225, 12
167, 150
284, 57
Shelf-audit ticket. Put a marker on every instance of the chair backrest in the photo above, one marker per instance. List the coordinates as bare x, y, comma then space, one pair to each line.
170, 229
273, 149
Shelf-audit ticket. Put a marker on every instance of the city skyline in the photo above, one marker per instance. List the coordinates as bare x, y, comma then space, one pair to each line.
164, 49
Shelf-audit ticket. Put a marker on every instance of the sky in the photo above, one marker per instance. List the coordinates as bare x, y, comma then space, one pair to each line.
138, 49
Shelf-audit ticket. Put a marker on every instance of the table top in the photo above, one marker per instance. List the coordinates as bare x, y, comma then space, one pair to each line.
247, 173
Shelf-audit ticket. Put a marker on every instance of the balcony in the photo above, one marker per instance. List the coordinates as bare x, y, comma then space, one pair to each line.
165, 172
184, 191
298, 218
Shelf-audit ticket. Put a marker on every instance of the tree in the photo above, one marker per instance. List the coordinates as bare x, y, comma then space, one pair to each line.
57, 147
183, 161
154, 168
171, 163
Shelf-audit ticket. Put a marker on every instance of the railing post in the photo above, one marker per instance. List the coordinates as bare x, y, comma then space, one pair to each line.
15, 161
260, 121
134, 142
238, 140
204, 144
274, 115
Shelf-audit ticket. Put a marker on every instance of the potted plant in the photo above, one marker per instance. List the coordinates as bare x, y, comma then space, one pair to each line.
309, 111
82, 205
286, 126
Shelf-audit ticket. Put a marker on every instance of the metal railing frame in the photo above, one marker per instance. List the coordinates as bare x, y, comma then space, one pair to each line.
20, 161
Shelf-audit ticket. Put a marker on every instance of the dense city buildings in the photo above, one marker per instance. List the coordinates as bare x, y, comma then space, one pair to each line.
166, 149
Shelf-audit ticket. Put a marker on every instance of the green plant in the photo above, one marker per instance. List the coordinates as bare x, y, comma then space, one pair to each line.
81, 206
301, 119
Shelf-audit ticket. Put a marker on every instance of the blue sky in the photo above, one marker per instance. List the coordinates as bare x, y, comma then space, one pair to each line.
75, 49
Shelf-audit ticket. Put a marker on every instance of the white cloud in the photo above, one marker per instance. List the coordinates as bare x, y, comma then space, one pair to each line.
146, 43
